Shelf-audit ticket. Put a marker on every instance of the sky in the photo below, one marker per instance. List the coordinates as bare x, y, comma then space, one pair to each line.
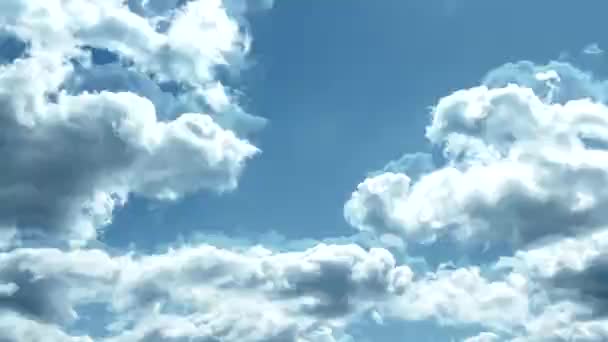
303, 171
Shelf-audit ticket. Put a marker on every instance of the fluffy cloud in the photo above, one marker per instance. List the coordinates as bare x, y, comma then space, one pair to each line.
552, 292
518, 168
71, 162
525, 162
73, 151
564, 321
202, 292
103, 100
43, 284
328, 275
572, 269
159, 44
464, 296
17, 328
572, 83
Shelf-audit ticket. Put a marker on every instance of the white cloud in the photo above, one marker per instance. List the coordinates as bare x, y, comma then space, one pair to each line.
203, 292
464, 296
484, 337
16, 328
573, 82
171, 53
593, 49
561, 322
525, 162
553, 292
46, 283
568, 254
378, 203
75, 160
70, 158
572, 270
518, 168
333, 281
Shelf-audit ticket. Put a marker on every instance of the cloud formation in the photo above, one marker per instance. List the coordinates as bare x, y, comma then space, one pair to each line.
517, 168
484, 337
104, 100
525, 162
593, 49
202, 292
72, 151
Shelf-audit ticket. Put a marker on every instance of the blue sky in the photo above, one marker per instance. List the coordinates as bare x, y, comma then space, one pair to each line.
360, 81
302, 171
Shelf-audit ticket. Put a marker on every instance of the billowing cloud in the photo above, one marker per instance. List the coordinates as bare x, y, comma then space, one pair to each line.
525, 162
572, 83
43, 284
202, 292
463, 296
563, 322
17, 328
572, 270
71, 162
103, 100
518, 168
79, 138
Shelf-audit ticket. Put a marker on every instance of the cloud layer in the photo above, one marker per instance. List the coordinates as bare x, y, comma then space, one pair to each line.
201, 292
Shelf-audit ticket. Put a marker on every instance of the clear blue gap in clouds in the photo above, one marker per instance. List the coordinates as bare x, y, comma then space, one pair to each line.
346, 86
11, 48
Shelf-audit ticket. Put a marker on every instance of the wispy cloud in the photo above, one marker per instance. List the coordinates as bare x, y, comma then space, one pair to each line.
593, 49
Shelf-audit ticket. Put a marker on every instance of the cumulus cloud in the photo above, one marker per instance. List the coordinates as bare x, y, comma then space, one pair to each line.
17, 328
562, 322
525, 162
73, 161
464, 296
573, 83
203, 292
572, 269
288, 295
79, 138
43, 284
552, 292
103, 100
518, 168
413, 164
